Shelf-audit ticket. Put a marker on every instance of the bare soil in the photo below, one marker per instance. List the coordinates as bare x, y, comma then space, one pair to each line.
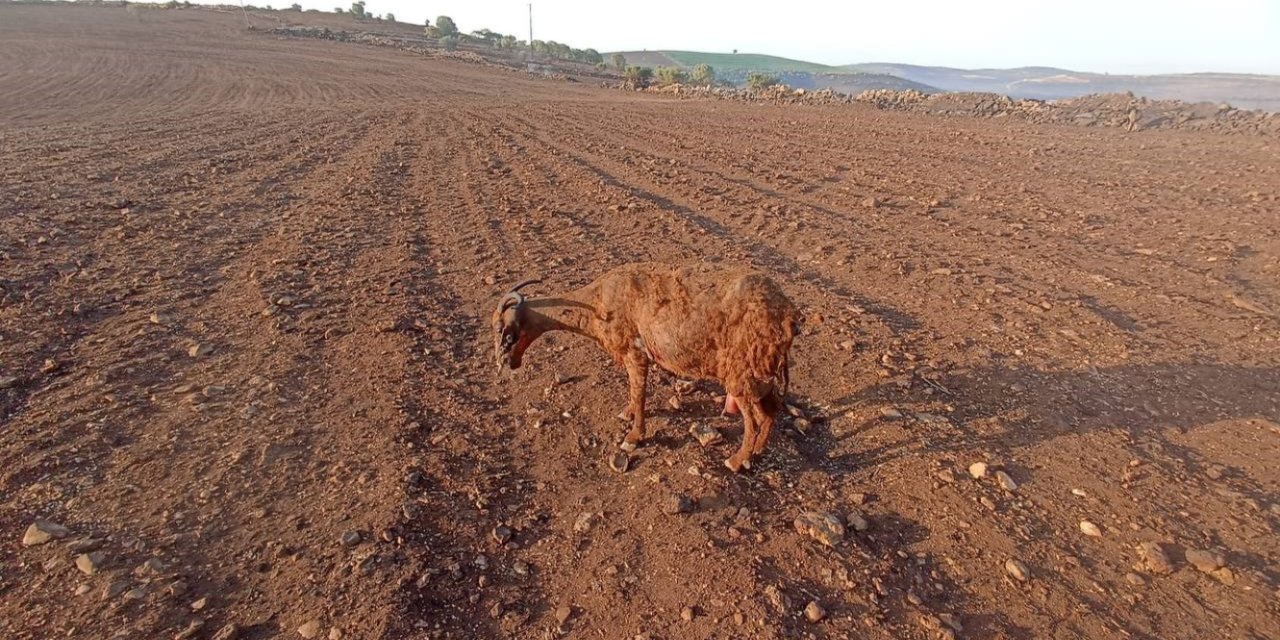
326, 226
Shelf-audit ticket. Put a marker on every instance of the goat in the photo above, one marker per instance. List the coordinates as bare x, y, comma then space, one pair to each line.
698, 322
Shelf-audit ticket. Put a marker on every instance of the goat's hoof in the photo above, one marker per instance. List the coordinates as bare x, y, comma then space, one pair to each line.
733, 465
627, 446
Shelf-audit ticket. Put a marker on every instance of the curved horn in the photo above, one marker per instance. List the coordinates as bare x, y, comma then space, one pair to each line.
512, 299
525, 284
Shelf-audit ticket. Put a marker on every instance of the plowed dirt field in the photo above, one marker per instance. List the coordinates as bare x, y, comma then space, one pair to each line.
245, 285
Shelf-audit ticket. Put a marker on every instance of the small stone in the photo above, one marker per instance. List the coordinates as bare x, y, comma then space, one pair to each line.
619, 461
160, 318
778, 598
686, 614
1079, 493
83, 589
738, 618
1134, 579
823, 527
914, 599
978, 470
228, 632
674, 403
871, 202
42, 531
90, 563
1156, 559
193, 628
1205, 561
814, 612
563, 614
890, 413
176, 588
677, 503
200, 604
310, 629
350, 538
1006, 482
706, 434
8, 381
151, 567
85, 545
114, 589
946, 476
857, 521
502, 533
585, 522
1018, 570
1090, 529
336, 633
199, 350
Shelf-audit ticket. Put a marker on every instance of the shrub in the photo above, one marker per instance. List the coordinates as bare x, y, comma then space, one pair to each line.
357, 9
449, 43
339, 10
703, 75
638, 77
760, 80
619, 61
600, 66
390, 17
446, 26
669, 75
591, 56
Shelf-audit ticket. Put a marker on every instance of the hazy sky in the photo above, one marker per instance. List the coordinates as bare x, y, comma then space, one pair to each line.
1118, 36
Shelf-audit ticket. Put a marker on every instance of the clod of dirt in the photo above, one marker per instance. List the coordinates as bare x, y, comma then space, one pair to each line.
1006, 482
978, 470
309, 629
1019, 571
1156, 560
620, 461
90, 563
706, 434
814, 612
1090, 529
823, 527
42, 531
677, 503
856, 521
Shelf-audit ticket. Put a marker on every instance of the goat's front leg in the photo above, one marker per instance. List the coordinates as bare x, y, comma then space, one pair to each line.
742, 459
637, 376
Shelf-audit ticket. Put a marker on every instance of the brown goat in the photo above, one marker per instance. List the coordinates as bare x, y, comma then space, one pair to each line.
698, 322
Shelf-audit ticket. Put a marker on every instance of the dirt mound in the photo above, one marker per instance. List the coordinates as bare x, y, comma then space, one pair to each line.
247, 388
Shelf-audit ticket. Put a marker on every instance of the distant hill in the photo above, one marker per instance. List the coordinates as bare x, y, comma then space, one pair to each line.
1044, 83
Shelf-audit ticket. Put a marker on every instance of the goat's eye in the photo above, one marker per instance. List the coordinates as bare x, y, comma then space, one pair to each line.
508, 339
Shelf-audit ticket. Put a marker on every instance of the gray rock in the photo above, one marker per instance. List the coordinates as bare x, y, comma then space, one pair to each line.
814, 612
309, 629
620, 462
1006, 482
228, 632
1205, 561
193, 629
586, 522
857, 521
90, 563
823, 527
114, 589
706, 434
1019, 571
1156, 560
42, 531
677, 503
502, 534
350, 538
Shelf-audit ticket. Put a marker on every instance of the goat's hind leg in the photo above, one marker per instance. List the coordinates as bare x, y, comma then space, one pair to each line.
742, 459
766, 415
637, 375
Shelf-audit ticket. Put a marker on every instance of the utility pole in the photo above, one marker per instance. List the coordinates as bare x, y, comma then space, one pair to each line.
530, 27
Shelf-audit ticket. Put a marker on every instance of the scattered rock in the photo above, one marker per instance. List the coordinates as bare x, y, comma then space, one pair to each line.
200, 604
814, 612
114, 589
1006, 482
1019, 571
160, 318
823, 527
856, 521
585, 522
619, 461
946, 476
978, 470
677, 503
563, 614
228, 632
1134, 579
1090, 529
890, 413
350, 538
85, 545
336, 633
871, 202
674, 403
42, 531
687, 614
199, 350
502, 534
1205, 561
193, 629
309, 629
706, 434
83, 589
8, 381
90, 563
1156, 560
778, 598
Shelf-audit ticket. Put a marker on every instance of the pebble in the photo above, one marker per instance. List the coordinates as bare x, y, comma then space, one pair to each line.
42, 531
620, 462
890, 413
336, 633
706, 434
1134, 579
310, 629
200, 350
1018, 570
563, 614
857, 521
677, 503
85, 545
1090, 529
1006, 482
1205, 561
8, 381
814, 612
585, 522
1156, 559
91, 562
192, 630
823, 527
114, 589
686, 614
83, 589
502, 533
871, 202
946, 476
674, 403
350, 538
200, 604
978, 470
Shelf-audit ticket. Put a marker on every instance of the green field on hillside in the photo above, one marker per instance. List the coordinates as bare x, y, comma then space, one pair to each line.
747, 62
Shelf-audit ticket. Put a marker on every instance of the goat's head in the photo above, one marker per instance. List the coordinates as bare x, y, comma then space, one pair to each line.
511, 335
